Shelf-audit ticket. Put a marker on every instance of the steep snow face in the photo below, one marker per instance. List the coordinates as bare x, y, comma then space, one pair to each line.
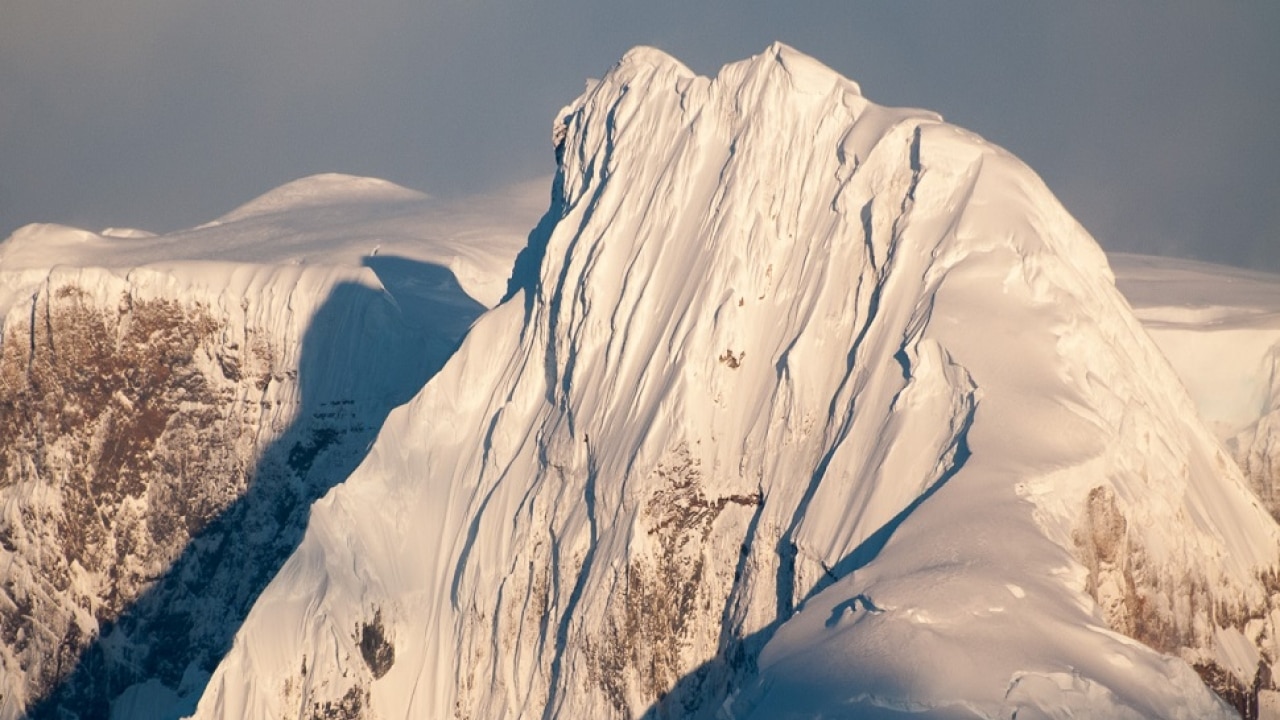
1220, 327
804, 406
166, 420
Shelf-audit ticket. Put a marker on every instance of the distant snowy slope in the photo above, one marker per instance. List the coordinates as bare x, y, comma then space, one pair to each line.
320, 220
1220, 327
171, 405
806, 407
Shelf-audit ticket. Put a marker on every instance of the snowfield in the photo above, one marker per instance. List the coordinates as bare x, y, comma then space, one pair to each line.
330, 220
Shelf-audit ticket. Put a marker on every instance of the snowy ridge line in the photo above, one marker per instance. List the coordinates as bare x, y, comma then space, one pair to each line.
604, 527
334, 220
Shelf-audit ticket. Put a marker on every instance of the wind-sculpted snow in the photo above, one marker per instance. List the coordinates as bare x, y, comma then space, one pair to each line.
811, 407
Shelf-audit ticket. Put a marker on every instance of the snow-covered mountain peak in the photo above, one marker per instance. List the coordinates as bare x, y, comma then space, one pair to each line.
806, 73
780, 78
647, 55
319, 190
47, 235
810, 407
801, 70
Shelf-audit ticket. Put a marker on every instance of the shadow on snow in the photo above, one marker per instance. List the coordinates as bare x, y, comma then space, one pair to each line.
357, 363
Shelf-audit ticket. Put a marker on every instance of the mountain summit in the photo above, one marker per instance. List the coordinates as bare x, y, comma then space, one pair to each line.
799, 406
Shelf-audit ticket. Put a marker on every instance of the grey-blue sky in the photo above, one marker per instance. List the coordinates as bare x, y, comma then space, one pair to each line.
1154, 122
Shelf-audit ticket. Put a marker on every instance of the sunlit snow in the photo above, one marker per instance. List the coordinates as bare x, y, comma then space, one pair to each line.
799, 406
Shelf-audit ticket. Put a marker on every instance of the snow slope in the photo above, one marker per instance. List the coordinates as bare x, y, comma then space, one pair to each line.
171, 405
806, 406
1220, 327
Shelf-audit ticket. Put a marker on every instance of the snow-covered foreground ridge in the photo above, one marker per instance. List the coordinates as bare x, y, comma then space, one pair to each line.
806, 406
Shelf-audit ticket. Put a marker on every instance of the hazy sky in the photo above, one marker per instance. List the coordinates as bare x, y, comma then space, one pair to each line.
1156, 123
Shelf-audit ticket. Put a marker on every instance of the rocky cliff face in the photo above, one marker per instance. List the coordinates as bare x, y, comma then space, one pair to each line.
162, 436
801, 406
128, 428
